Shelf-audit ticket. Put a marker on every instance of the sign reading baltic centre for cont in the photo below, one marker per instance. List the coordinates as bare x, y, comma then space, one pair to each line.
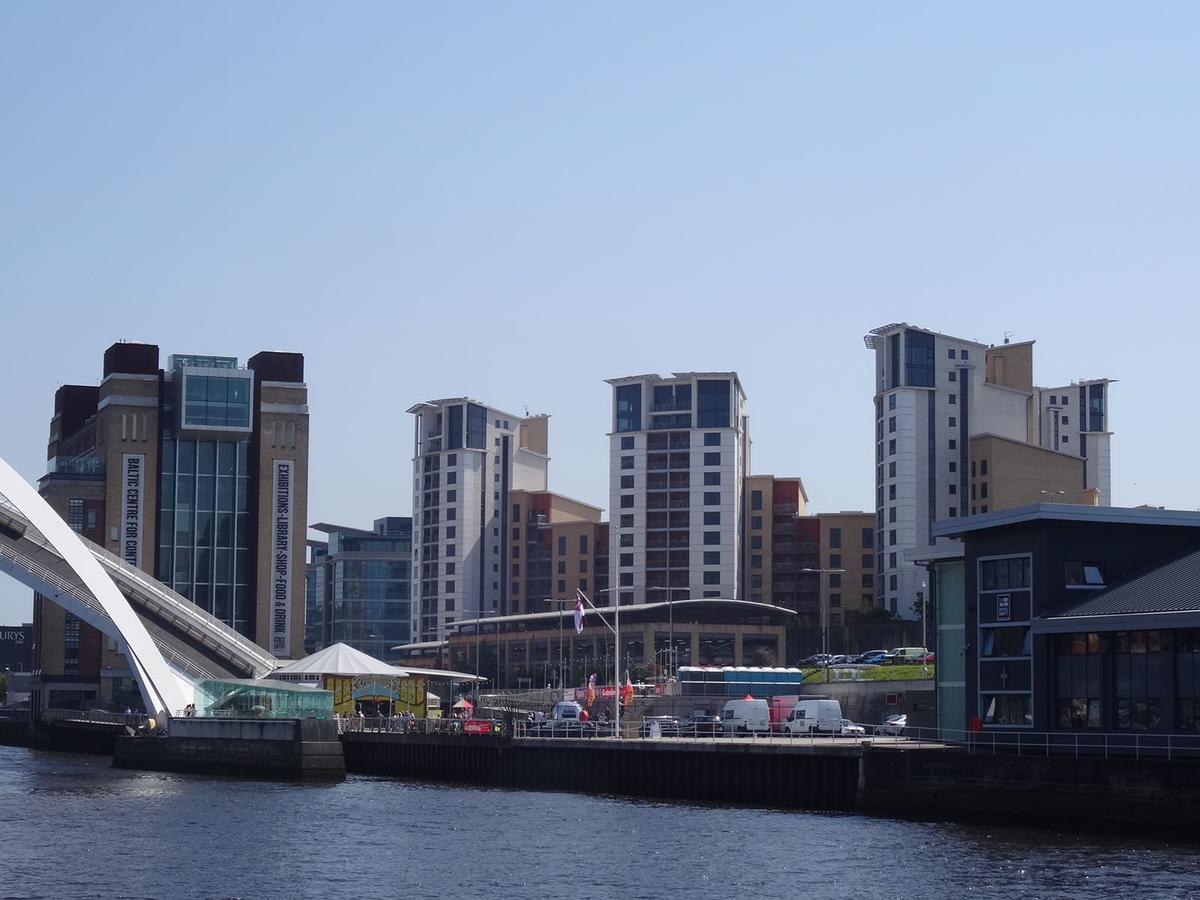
133, 467
282, 474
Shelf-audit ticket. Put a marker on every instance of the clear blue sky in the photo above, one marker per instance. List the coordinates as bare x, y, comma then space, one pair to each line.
516, 201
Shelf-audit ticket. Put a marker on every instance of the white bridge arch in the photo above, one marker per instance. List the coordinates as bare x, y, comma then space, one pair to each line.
162, 689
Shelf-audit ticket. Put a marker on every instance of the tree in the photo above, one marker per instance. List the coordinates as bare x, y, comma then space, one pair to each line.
764, 657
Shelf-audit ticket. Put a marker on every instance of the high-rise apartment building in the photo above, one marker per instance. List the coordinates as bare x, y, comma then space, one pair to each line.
935, 397
679, 452
467, 459
360, 586
196, 473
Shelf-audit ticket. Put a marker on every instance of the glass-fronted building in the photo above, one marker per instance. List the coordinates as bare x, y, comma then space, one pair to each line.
360, 586
1061, 618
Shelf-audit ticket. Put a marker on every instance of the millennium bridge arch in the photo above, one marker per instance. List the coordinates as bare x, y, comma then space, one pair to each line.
169, 642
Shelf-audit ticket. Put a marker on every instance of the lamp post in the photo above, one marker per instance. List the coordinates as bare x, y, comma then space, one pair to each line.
924, 595
671, 622
560, 601
824, 612
615, 628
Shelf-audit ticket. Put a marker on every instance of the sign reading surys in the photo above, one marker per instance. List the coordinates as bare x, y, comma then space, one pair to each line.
283, 472
133, 465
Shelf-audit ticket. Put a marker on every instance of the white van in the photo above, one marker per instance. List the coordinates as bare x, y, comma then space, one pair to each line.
746, 716
811, 716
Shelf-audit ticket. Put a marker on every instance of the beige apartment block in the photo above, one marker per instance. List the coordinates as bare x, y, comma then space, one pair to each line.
1007, 473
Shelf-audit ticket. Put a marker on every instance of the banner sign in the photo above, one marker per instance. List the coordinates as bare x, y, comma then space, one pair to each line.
1003, 607
281, 556
133, 466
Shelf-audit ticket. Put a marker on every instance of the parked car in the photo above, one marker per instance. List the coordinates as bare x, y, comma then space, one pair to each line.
746, 716
566, 720
820, 660
872, 657
905, 656
849, 729
668, 726
928, 659
702, 725
815, 716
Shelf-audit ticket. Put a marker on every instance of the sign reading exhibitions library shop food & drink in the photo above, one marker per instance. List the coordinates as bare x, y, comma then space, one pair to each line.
282, 473
133, 465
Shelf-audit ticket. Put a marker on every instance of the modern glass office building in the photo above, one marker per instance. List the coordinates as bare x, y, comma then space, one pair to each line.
360, 586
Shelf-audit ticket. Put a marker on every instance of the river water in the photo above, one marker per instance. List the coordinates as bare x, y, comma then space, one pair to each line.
70, 826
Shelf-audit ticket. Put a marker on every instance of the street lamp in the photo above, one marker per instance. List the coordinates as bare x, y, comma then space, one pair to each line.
824, 613
925, 625
671, 626
559, 600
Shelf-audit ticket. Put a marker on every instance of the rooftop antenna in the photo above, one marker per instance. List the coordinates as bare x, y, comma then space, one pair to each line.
527, 410
1007, 335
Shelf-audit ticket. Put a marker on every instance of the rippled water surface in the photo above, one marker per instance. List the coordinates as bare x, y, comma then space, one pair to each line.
72, 827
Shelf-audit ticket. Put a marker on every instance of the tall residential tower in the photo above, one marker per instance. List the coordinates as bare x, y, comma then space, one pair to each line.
679, 452
960, 425
467, 459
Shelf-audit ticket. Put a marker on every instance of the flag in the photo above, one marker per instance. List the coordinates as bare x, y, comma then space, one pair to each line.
579, 615
591, 688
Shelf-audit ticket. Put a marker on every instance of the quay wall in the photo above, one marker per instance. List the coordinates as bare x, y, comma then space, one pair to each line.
1150, 794
737, 773
305, 749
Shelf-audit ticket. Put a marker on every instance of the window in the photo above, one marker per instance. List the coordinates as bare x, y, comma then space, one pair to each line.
449, 587
953, 488
953, 399
451, 532
868, 560
891, 492
983, 467
627, 443
1138, 662
583, 544
1066, 439
835, 579
953, 376
712, 537
449, 568
712, 498
626, 462
712, 577
562, 545
1084, 574
451, 459
953, 444
891, 402
449, 549
1004, 574
451, 478
950, 353
629, 407
756, 561
627, 482
756, 523
983, 490
953, 466
626, 540
964, 354
918, 359
891, 424
625, 579
891, 560
451, 514
713, 409
451, 496
712, 557
712, 439
891, 470
756, 542
712, 459
712, 478
891, 514
562, 567
892, 581
626, 560
627, 501
712, 517
627, 520
1066, 421
835, 538
868, 580
892, 447
953, 422
892, 538
756, 500
952, 512
868, 538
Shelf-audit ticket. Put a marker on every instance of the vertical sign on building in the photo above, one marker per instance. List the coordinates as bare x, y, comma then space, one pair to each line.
133, 465
281, 556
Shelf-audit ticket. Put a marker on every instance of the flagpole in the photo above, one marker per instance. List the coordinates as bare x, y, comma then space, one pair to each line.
615, 628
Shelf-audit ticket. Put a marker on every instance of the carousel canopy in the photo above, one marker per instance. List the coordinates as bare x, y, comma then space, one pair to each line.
339, 659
